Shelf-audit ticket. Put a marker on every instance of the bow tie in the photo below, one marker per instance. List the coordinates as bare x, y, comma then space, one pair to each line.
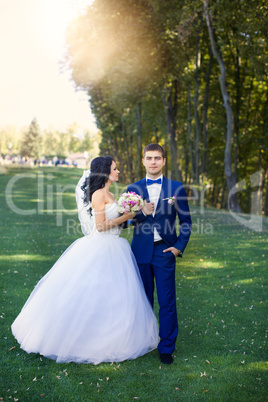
158, 181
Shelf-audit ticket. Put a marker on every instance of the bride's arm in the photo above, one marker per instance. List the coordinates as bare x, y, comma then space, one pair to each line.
102, 224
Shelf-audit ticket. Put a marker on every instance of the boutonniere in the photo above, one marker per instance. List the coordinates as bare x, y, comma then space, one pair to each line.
171, 200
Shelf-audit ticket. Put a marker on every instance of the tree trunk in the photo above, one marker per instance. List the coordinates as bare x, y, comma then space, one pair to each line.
187, 161
132, 175
122, 157
232, 195
117, 154
205, 115
237, 112
223, 195
214, 197
171, 107
124, 135
166, 153
139, 150
156, 135
196, 106
265, 208
190, 141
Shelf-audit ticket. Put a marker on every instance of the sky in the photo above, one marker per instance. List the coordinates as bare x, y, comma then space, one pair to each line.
32, 84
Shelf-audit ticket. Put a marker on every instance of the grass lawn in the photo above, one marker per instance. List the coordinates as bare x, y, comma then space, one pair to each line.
221, 351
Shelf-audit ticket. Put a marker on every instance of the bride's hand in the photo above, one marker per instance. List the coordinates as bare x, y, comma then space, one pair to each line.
129, 215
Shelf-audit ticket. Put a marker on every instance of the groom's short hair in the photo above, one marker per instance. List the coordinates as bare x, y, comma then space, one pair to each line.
154, 147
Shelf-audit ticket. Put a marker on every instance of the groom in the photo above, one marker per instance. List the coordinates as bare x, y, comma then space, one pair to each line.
155, 243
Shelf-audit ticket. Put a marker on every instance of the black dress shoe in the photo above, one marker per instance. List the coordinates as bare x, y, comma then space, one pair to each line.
166, 358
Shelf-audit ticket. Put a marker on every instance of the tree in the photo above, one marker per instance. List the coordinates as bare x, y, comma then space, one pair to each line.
234, 204
117, 62
10, 140
152, 71
31, 144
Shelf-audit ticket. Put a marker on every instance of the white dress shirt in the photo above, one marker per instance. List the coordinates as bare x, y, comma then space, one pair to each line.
154, 193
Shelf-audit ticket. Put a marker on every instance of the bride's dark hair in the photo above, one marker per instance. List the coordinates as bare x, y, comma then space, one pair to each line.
100, 169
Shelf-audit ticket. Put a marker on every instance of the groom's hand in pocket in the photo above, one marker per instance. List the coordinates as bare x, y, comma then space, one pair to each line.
174, 251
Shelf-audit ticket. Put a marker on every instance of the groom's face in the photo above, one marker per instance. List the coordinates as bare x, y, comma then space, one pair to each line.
153, 162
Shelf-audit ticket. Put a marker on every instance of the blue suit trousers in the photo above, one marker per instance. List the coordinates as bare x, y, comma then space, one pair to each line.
162, 269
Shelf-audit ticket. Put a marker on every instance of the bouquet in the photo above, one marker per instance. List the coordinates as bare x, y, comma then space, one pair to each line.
129, 202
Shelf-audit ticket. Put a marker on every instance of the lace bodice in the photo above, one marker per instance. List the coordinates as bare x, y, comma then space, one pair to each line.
111, 212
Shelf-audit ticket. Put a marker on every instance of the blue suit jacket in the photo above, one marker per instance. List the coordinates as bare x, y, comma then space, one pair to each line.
164, 220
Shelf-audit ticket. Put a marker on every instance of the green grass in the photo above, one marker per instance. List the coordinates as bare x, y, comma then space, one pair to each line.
221, 352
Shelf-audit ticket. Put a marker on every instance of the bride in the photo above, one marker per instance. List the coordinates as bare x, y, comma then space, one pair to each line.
91, 306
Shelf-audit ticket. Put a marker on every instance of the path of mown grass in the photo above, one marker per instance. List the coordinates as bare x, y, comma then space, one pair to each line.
221, 351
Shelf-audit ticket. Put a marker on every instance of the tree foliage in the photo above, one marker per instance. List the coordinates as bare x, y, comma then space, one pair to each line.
31, 144
151, 75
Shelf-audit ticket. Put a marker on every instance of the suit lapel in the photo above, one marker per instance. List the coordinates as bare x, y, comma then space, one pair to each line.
162, 195
144, 190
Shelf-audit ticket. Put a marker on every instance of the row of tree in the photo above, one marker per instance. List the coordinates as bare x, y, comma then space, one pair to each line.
188, 74
34, 143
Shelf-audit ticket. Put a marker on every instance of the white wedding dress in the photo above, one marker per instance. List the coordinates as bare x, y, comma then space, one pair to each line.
91, 306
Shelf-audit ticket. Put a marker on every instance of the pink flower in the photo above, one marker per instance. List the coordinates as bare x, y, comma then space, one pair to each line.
127, 204
171, 200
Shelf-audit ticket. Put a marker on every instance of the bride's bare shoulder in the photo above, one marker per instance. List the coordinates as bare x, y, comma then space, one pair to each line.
98, 199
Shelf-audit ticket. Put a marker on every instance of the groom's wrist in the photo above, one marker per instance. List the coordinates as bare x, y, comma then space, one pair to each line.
139, 217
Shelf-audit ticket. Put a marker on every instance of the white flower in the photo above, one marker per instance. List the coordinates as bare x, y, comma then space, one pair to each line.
129, 202
171, 200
